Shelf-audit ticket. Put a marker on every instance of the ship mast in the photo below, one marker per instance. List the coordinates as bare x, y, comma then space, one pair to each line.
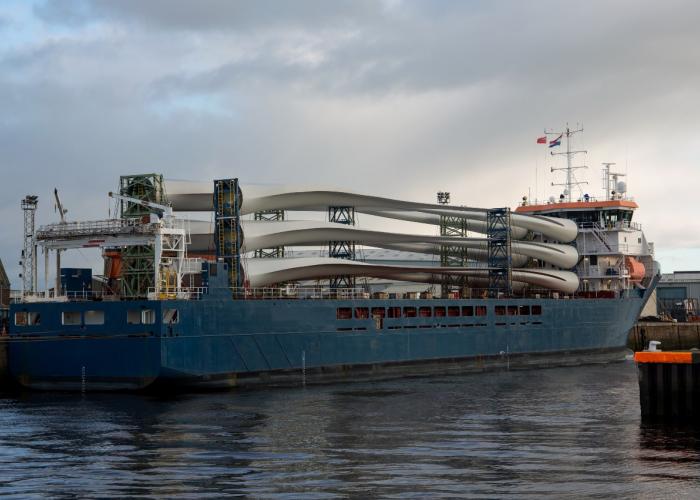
610, 181
571, 180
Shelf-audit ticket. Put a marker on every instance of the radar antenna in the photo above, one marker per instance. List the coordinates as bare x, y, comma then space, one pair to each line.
611, 186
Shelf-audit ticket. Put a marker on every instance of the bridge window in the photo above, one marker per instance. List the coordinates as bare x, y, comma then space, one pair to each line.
133, 317
24, 318
536, 310
512, 310
362, 312
409, 312
500, 310
524, 310
170, 316
481, 310
148, 316
439, 312
425, 312
21, 318
70, 318
467, 310
453, 311
94, 317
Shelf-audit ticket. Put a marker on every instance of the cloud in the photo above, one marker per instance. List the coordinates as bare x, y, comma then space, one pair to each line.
208, 14
400, 98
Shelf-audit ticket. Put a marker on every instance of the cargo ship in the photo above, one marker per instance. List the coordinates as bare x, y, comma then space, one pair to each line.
225, 303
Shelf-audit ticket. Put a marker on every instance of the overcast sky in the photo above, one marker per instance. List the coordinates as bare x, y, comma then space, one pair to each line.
394, 98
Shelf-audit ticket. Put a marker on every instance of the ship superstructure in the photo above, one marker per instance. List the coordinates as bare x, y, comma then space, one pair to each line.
220, 302
614, 252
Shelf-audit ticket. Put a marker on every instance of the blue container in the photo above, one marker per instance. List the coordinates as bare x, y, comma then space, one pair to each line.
76, 282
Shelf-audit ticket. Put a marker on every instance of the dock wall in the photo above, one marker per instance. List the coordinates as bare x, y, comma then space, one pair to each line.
673, 336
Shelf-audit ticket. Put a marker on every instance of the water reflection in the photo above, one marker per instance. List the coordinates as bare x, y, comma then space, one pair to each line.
543, 432
670, 452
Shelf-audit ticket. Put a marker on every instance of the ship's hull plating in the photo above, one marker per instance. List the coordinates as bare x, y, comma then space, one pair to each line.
218, 343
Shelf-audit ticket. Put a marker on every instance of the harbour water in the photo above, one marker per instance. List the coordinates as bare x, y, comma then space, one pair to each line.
554, 432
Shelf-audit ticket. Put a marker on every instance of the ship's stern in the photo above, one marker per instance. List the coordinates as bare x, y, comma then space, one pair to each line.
94, 346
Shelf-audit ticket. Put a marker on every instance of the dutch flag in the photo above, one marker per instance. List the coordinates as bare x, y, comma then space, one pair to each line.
555, 142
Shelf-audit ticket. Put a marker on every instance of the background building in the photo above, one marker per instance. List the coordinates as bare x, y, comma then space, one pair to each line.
4, 296
678, 295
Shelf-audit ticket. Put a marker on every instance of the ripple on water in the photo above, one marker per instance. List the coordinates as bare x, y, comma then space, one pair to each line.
560, 432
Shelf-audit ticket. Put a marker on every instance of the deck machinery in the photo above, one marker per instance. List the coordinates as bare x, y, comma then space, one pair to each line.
138, 261
227, 204
452, 255
148, 240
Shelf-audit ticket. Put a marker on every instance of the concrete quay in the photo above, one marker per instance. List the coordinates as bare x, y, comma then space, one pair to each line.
673, 336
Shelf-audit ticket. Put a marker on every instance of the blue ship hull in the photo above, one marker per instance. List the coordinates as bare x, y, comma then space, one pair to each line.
219, 342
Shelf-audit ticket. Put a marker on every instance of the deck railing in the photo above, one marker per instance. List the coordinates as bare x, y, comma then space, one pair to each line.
300, 293
93, 228
583, 199
308, 293
622, 224
320, 293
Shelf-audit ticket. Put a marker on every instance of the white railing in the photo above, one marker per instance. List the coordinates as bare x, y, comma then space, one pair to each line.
263, 293
192, 265
622, 248
94, 228
622, 224
267, 293
590, 199
610, 273
315, 293
182, 293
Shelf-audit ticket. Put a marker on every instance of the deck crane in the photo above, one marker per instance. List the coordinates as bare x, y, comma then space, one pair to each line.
165, 211
62, 214
176, 248
59, 207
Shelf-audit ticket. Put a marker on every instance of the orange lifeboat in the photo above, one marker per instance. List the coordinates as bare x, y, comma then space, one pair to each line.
635, 268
